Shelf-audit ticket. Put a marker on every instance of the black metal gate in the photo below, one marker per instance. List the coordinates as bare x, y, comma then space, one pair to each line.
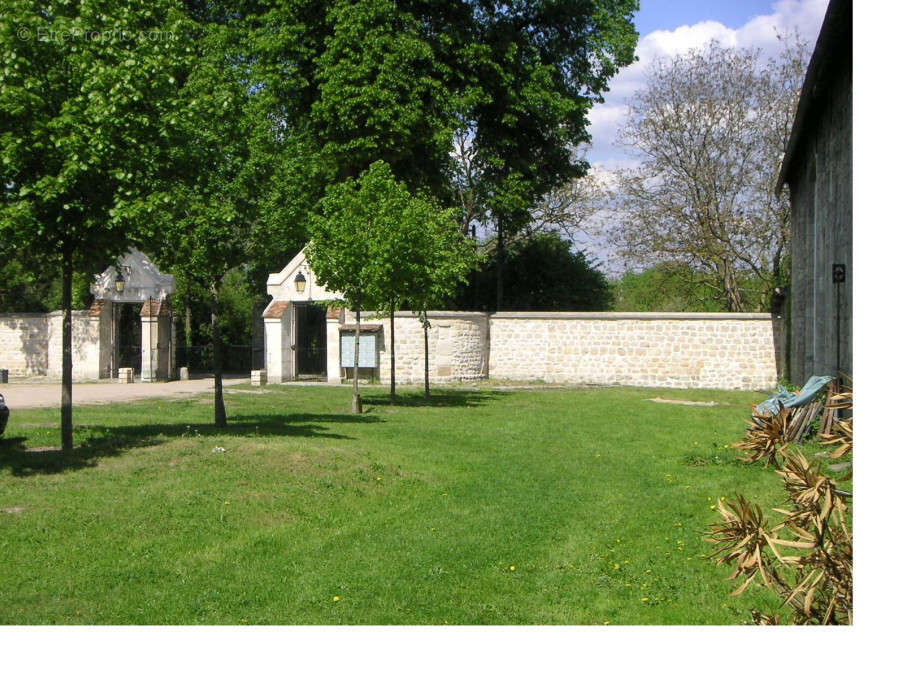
128, 345
310, 340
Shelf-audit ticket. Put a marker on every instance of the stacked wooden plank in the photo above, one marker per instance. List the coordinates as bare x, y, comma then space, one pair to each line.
800, 418
829, 412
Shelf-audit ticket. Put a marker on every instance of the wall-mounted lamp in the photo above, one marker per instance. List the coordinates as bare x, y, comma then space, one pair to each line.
300, 283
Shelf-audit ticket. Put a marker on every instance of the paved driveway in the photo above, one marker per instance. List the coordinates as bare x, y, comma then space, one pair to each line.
22, 396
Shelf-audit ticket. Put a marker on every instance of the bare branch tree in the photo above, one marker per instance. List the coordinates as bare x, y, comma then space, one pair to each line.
466, 177
570, 209
710, 127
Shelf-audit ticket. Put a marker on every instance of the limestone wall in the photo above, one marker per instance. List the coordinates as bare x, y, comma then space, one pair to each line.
682, 350
31, 344
458, 343
24, 339
685, 350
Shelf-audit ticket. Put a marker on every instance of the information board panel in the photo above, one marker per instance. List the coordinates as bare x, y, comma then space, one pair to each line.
368, 354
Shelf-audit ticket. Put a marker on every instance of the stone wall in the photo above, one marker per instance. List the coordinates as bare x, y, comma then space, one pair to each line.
31, 344
684, 350
458, 346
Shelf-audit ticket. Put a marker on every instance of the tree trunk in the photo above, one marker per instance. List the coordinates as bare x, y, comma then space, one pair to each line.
187, 322
731, 290
426, 352
355, 399
66, 395
392, 322
499, 267
218, 401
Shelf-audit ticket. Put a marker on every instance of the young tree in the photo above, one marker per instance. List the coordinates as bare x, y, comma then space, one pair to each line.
345, 251
383, 247
83, 90
442, 258
710, 127
208, 204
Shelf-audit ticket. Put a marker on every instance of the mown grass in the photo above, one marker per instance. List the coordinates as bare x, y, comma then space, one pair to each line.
580, 506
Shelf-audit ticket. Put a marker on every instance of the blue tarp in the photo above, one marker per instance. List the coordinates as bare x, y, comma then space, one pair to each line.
783, 397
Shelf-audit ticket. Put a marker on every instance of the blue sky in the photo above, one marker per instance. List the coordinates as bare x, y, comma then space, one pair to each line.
668, 27
668, 14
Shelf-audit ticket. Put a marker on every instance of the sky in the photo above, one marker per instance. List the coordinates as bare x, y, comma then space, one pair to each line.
668, 27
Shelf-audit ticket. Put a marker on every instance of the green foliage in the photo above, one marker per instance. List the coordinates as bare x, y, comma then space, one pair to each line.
378, 244
544, 273
80, 121
667, 286
382, 94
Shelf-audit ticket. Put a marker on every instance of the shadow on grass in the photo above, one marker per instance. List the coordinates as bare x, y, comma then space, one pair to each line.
112, 441
454, 398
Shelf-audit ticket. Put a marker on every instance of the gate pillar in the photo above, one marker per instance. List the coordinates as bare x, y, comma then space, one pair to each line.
156, 334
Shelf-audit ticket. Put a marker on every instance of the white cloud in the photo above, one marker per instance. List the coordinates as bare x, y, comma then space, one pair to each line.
759, 32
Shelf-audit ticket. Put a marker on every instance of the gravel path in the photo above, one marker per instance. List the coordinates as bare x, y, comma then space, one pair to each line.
24, 396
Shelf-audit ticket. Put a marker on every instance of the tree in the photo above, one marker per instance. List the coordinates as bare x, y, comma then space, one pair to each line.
441, 257
544, 273
83, 91
669, 286
709, 128
382, 95
345, 251
383, 247
209, 201
534, 70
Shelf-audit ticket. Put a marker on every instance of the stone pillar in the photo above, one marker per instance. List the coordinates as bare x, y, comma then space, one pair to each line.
277, 341
156, 328
103, 309
334, 318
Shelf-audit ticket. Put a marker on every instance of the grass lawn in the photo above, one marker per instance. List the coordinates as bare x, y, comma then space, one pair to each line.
582, 506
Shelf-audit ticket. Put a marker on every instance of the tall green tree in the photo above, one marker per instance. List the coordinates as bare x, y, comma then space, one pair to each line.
533, 71
83, 90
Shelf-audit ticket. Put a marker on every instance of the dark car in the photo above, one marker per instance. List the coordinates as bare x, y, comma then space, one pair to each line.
4, 414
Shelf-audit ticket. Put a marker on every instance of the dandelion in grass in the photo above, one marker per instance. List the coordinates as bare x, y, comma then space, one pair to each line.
335, 599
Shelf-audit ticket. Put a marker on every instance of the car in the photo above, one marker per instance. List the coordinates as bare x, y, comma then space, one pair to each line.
4, 414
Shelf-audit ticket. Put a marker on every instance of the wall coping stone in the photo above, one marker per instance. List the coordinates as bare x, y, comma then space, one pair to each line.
610, 315
432, 315
574, 315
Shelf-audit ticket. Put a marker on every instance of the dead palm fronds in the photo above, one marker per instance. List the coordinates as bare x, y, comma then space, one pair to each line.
807, 558
765, 437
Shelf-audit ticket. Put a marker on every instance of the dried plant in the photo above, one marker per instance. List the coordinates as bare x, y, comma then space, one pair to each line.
765, 437
807, 558
841, 433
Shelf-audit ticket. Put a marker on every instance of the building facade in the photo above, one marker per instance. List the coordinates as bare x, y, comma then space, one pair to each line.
817, 168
